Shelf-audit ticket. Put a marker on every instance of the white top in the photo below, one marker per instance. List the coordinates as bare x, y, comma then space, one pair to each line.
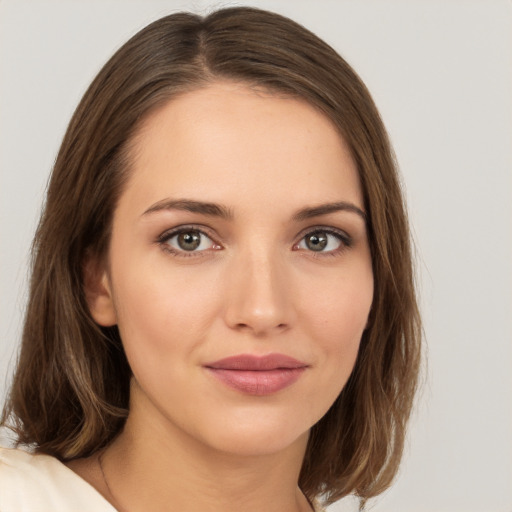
40, 483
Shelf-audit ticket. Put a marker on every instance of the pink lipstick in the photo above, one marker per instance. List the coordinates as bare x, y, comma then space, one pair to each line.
257, 375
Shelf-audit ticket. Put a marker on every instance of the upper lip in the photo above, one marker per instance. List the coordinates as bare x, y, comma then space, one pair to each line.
256, 363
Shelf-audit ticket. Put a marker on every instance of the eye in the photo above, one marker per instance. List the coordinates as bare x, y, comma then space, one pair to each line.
187, 240
323, 240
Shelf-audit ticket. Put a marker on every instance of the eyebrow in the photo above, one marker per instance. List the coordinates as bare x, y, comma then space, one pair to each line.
325, 209
217, 210
189, 205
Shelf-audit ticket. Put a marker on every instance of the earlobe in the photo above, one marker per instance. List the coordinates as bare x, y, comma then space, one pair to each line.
98, 293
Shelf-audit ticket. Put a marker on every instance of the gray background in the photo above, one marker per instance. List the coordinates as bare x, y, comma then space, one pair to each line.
440, 72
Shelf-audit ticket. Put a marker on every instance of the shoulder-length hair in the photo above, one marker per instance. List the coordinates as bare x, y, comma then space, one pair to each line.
70, 392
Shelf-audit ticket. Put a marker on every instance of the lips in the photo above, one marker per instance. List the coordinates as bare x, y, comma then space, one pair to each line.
257, 375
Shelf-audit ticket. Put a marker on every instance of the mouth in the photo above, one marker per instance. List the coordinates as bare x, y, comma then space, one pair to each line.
257, 375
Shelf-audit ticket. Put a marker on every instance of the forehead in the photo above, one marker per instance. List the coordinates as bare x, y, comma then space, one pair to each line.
228, 141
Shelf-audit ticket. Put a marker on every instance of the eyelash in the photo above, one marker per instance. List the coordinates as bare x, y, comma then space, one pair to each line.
164, 238
345, 241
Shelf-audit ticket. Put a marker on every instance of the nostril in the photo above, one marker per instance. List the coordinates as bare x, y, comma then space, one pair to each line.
260, 329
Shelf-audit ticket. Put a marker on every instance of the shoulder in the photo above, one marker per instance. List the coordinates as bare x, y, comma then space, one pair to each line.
15, 461
41, 483
317, 506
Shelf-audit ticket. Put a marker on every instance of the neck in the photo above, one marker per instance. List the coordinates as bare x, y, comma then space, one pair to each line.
157, 466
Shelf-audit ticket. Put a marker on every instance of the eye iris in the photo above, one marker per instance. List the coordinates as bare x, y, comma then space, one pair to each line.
316, 241
189, 240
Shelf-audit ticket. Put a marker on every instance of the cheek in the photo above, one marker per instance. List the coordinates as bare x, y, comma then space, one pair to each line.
160, 315
336, 319
340, 304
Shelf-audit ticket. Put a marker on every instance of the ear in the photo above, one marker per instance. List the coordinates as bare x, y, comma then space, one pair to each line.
98, 292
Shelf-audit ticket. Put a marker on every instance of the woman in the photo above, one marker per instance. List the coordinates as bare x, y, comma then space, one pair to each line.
222, 313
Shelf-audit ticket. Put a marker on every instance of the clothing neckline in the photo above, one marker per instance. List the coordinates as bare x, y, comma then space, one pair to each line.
24, 456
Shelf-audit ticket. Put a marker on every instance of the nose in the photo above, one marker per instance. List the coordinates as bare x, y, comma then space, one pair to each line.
259, 295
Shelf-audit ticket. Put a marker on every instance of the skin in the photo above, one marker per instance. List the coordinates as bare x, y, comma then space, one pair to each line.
254, 286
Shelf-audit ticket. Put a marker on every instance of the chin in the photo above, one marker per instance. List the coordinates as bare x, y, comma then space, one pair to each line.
260, 444
256, 437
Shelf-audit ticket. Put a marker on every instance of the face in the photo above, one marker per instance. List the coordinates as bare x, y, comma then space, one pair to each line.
239, 269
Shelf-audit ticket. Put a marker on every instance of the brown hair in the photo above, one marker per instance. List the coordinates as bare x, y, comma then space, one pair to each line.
70, 392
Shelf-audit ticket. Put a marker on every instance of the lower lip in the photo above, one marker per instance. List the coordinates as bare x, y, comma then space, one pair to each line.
258, 382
